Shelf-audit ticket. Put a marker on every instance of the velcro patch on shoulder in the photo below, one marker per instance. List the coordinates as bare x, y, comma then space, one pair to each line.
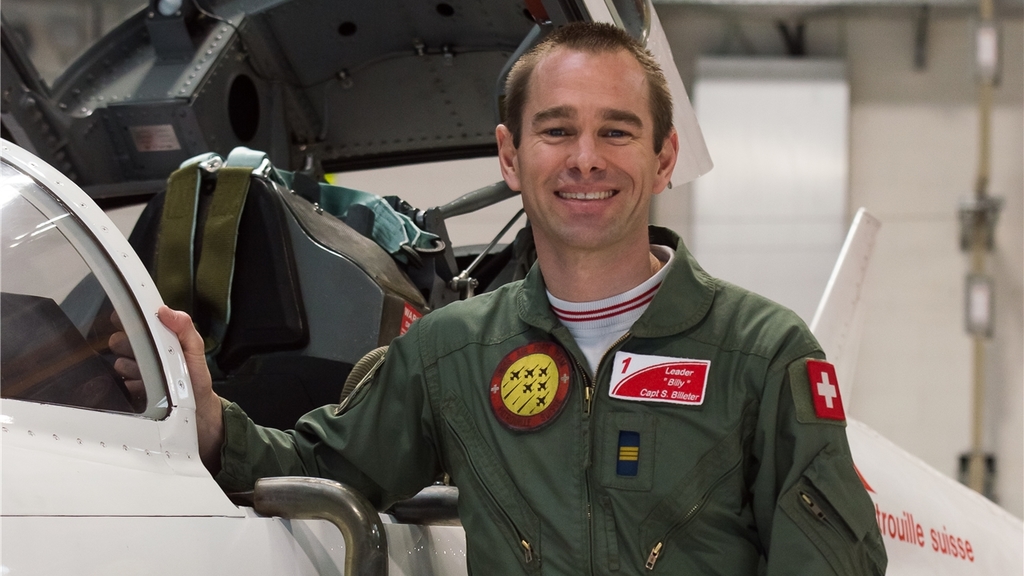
815, 391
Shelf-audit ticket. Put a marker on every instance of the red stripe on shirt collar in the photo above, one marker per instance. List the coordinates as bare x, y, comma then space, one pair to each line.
607, 311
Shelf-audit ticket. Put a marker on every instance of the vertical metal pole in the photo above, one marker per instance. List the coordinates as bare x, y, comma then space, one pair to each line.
976, 470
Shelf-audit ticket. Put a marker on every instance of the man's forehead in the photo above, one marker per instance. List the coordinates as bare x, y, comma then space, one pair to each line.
550, 69
562, 54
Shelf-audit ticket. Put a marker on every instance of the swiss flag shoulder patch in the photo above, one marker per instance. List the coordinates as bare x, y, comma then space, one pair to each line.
828, 404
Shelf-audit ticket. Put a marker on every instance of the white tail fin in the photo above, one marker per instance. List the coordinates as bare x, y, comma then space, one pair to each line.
838, 321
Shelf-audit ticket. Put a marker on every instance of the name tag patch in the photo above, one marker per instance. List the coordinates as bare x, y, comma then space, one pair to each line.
645, 378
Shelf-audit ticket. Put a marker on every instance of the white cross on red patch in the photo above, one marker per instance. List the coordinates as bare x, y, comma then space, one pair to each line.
827, 390
828, 404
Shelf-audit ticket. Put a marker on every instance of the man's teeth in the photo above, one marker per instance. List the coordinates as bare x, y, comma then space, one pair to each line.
586, 195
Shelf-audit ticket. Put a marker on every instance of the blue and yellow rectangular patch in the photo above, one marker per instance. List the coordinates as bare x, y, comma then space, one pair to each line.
628, 463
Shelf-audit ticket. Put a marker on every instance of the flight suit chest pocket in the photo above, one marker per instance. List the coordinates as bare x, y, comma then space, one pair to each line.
715, 481
625, 458
835, 513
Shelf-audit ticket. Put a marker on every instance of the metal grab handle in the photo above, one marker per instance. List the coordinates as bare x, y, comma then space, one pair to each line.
477, 199
466, 285
302, 498
432, 506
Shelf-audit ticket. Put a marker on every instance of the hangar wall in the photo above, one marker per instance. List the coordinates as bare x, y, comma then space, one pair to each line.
772, 216
913, 158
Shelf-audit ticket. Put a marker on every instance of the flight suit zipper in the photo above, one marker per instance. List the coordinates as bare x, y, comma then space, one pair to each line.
814, 508
589, 391
833, 535
524, 543
808, 501
527, 551
587, 397
587, 385
652, 558
656, 549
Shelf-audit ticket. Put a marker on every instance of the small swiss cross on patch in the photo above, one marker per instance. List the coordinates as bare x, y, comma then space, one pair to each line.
825, 390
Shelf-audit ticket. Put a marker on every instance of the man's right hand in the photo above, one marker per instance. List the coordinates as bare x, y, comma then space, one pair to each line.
209, 414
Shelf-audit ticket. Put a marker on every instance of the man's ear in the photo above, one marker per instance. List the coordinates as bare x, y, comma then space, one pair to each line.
667, 161
508, 157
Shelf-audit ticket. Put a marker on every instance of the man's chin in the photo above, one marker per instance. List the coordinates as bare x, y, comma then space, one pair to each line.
581, 239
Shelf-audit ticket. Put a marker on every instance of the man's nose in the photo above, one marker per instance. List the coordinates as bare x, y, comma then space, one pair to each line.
586, 155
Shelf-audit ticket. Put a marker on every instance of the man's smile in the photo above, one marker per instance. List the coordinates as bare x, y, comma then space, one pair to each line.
596, 195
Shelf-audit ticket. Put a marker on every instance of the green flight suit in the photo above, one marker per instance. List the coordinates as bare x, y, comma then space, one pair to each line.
750, 481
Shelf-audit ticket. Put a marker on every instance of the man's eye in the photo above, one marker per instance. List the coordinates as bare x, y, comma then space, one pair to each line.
555, 132
616, 133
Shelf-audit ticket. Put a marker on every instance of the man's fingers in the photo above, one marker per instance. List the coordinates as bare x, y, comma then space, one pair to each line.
181, 324
120, 345
209, 416
128, 369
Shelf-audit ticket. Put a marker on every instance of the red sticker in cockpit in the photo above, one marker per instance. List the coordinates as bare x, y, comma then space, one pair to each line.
409, 315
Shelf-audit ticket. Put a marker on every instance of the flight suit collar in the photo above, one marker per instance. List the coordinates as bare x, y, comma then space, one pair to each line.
683, 300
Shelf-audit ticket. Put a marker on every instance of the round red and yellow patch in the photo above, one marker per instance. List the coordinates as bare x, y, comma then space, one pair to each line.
530, 386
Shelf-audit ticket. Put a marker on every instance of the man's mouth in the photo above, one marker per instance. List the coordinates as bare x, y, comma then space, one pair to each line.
601, 195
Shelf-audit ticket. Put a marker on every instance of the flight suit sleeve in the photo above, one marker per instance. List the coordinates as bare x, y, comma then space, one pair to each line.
812, 511
382, 443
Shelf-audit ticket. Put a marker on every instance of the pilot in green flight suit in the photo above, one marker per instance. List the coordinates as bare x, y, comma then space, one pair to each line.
749, 471
707, 437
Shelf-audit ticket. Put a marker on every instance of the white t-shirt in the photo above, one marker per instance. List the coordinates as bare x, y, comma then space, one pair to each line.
597, 325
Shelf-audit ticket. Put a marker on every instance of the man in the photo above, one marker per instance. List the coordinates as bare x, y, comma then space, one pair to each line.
619, 410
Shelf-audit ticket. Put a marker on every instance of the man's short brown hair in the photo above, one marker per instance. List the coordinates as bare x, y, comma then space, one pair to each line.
592, 38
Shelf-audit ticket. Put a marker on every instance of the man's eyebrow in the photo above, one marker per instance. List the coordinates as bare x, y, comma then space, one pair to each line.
625, 116
568, 112
555, 113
